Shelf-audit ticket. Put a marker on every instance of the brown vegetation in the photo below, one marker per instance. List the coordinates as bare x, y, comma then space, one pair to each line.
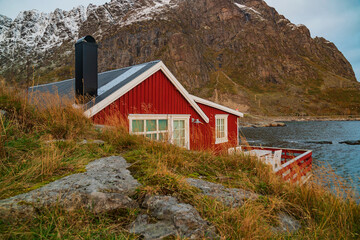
29, 161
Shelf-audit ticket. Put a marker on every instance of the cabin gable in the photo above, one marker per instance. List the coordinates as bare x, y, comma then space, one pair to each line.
154, 95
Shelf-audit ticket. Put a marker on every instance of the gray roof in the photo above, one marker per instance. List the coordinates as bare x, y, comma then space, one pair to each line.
108, 83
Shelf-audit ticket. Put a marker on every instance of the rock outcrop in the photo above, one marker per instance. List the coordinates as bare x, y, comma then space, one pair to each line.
287, 224
172, 219
235, 197
232, 197
355, 142
106, 185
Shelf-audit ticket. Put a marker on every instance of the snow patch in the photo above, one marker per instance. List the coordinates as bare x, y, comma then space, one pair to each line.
148, 12
249, 9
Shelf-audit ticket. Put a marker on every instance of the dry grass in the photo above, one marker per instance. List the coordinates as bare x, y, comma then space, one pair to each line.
28, 156
27, 162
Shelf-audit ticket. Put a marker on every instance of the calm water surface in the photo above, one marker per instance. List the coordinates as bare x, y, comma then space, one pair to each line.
343, 158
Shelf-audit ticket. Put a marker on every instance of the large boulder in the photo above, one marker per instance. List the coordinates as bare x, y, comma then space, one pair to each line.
106, 185
171, 218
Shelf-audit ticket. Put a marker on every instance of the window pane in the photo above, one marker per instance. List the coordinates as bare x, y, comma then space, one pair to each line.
176, 134
138, 125
152, 136
150, 125
176, 124
163, 125
182, 124
182, 133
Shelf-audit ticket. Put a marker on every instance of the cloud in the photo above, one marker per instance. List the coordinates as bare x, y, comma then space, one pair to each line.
337, 21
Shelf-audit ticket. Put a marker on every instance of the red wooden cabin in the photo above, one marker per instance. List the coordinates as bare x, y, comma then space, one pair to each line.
150, 101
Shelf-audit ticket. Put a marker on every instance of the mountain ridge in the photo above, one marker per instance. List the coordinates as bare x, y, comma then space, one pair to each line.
242, 54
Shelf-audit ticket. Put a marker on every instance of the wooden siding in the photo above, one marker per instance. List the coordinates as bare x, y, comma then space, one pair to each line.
232, 128
157, 95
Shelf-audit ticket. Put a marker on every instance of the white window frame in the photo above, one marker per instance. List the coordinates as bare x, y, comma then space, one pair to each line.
170, 118
225, 138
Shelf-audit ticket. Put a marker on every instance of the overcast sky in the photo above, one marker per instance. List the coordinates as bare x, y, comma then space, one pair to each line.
335, 20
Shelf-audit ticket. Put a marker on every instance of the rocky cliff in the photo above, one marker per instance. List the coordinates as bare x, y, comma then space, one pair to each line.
240, 53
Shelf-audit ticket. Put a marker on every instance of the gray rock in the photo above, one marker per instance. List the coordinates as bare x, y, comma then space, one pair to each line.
106, 185
99, 142
173, 218
320, 142
355, 142
3, 113
233, 197
149, 230
287, 224
55, 140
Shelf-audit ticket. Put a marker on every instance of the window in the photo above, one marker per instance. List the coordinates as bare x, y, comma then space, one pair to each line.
162, 127
221, 129
154, 129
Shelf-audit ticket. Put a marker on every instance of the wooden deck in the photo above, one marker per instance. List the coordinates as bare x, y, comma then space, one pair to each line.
295, 165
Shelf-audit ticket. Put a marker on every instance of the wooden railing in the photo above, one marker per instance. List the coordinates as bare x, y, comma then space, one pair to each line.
295, 166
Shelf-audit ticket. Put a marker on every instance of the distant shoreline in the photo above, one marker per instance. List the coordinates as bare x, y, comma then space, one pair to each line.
265, 121
313, 118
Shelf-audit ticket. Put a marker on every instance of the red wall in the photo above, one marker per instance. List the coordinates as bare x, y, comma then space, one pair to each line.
157, 95
232, 127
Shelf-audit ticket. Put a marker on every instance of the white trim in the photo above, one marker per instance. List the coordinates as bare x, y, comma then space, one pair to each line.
157, 116
120, 92
170, 118
218, 106
225, 138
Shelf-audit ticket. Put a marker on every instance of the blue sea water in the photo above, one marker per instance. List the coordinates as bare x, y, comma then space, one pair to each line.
344, 159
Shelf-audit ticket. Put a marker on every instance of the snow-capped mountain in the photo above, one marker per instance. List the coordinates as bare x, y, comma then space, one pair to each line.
34, 31
229, 48
5, 23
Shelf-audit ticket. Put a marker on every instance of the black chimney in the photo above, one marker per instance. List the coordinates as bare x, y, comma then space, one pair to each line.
86, 74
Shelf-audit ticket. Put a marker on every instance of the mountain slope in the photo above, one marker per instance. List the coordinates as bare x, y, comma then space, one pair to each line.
240, 53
